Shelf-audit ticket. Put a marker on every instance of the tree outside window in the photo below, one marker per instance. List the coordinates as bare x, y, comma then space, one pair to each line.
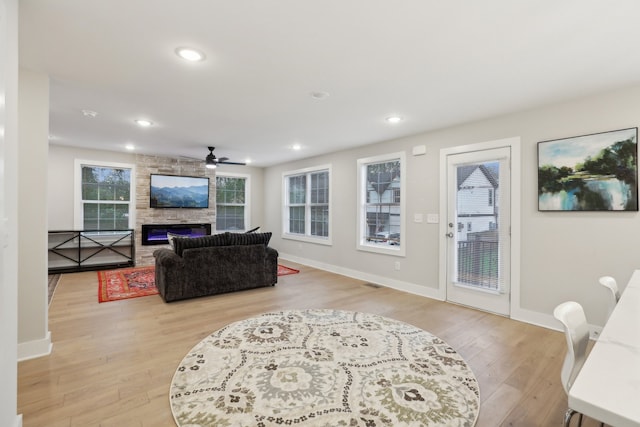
307, 204
106, 197
231, 203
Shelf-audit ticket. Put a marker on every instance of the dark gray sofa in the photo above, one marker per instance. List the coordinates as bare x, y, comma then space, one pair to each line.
216, 264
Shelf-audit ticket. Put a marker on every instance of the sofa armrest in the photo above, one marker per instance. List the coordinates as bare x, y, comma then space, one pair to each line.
271, 253
168, 258
271, 266
169, 272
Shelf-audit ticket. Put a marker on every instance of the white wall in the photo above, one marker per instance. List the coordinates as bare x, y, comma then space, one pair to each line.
33, 127
60, 180
562, 254
8, 210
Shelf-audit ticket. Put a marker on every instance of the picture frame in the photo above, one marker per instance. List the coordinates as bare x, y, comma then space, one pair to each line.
595, 172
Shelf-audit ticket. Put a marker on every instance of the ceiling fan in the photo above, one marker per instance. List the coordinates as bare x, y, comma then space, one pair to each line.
211, 161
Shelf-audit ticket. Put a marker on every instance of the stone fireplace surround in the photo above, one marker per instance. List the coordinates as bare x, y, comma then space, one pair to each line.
145, 166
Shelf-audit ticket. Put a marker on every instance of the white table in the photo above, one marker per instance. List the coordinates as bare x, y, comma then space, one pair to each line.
608, 385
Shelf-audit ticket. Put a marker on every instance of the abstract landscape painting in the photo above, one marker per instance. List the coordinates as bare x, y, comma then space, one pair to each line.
597, 172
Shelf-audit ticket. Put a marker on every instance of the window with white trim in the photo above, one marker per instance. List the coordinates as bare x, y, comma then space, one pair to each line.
380, 204
307, 205
232, 202
105, 196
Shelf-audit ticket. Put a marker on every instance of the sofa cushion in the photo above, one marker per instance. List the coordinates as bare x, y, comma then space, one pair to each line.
249, 238
182, 243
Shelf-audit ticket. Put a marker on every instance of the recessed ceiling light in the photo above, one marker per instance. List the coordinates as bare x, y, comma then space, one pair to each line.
143, 122
130, 147
89, 113
319, 95
190, 54
393, 119
296, 147
247, 161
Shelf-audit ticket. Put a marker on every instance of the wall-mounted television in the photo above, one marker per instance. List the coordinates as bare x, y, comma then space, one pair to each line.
173, 191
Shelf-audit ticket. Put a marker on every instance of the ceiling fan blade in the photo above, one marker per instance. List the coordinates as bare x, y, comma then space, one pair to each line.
232, 163
211, 160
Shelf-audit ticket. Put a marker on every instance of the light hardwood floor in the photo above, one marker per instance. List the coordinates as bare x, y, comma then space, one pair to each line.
112, 363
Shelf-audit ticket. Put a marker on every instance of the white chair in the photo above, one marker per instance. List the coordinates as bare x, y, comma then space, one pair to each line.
576, 331
614, 294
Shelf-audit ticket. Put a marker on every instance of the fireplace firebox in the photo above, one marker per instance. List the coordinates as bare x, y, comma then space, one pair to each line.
156, 234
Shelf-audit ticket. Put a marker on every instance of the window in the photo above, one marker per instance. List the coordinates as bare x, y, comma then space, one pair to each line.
104, 194
232, 196
380, 204
490, 196
306, 210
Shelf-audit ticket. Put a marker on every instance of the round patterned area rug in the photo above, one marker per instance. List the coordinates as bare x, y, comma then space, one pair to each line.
323, 368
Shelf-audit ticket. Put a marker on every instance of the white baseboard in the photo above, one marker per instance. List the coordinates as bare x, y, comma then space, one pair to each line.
18, 421
548, 321
536, 318
412, 288
544, 320
33, 349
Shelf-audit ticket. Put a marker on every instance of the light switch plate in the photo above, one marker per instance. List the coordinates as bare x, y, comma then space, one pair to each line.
417, 217
433, 218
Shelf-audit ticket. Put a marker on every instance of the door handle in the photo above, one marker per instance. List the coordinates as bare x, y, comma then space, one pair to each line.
449, 234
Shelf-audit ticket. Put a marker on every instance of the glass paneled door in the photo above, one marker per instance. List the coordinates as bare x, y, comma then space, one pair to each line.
478, 223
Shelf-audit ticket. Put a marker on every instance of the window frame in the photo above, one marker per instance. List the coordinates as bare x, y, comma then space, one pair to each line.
247, 199
361, 221
78, 211
307, 237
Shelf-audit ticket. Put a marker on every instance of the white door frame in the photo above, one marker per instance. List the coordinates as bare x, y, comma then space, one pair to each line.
516, 172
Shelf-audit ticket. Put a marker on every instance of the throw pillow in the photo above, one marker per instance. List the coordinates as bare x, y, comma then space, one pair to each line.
249, 238
170, 237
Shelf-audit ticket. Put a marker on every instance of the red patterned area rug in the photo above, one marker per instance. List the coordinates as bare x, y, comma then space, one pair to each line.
283, 271
124, 283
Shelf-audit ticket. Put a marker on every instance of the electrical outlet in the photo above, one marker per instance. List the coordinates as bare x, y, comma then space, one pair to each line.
397, 265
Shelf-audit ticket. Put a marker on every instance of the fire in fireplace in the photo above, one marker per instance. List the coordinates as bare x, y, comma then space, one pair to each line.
156, 234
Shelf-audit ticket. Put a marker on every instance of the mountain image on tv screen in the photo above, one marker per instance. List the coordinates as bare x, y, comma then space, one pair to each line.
179, 192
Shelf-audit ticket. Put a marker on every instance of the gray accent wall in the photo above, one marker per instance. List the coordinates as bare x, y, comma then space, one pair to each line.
562, 253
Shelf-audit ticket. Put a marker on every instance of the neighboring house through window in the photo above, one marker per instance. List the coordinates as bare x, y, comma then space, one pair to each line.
478, 196
380, 204
104, 194
232, 202
306, 210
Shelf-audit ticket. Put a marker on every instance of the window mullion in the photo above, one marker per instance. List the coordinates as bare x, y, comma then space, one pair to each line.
307, 208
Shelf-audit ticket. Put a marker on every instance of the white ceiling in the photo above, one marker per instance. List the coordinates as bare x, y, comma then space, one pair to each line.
436, 63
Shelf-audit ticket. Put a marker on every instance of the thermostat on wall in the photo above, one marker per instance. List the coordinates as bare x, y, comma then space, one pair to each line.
419, 150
